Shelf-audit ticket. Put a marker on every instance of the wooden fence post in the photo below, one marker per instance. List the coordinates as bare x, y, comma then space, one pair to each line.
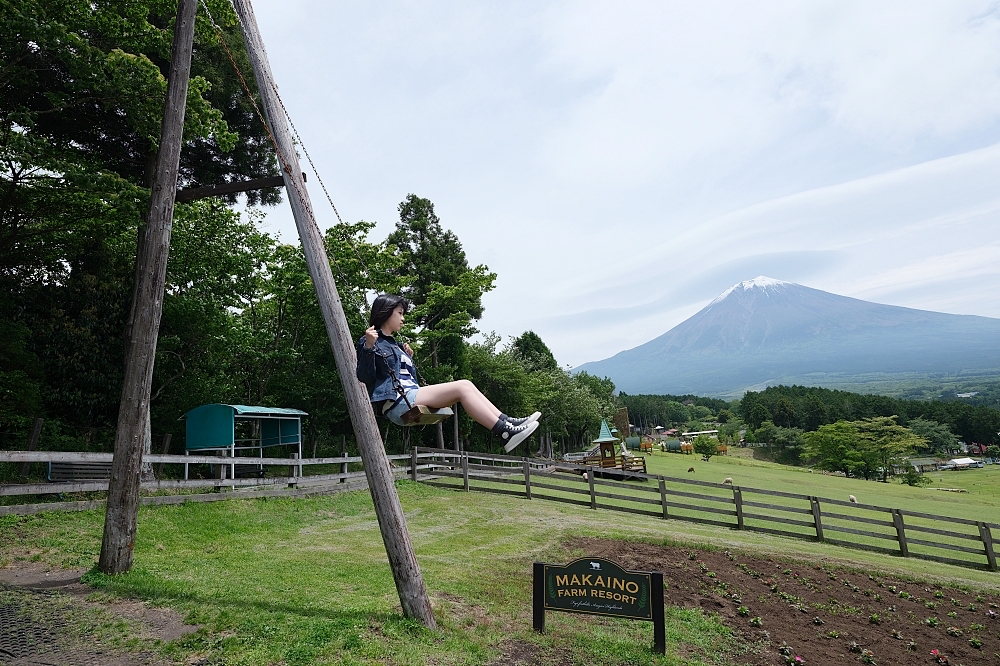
343, 454
817, 517
538, 597
457, 443
897, 520
593, 496
663, 498
987, 537
122, 510
413, 464
527, 479
381, 483
36, 432
165, 451
465, 472
738, 501
292, 469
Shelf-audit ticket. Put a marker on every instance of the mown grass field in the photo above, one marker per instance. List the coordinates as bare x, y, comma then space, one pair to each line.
307, 581
981, 502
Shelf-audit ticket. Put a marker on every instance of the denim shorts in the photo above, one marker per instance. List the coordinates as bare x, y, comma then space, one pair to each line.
395, 413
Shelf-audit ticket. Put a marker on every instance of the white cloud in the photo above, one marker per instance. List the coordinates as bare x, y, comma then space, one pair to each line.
620, 164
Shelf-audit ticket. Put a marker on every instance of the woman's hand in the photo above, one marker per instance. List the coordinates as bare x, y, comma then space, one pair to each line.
408, 349
371, 337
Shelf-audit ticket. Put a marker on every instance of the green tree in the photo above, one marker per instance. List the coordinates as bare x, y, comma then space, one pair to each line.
757, 415
885, 442
785, 414
869, 448
913, 478
833, 447
536, 354
814, 414
729, 432
939, 437
446, 292
705, 446
81, 102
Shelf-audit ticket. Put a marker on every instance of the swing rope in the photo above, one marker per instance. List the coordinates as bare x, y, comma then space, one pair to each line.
287, 167
396, 383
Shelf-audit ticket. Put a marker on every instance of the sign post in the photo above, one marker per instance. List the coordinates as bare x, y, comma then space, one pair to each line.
596, 586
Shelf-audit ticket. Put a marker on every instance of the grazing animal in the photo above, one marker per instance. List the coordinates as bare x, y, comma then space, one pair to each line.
690, 469
728, 480
853, 499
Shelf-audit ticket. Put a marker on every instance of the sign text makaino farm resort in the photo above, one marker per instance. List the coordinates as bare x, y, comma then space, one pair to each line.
599, 587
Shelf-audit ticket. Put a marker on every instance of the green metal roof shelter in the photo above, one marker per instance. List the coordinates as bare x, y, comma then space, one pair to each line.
213, 428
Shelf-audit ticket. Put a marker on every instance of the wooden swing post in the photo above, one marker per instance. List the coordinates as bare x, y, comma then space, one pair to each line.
392, 523
131, 433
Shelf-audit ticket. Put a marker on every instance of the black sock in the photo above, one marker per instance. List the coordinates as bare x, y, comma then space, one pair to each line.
504, 417
500, 427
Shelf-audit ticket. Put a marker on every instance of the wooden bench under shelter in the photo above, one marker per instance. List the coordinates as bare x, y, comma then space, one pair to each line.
79, 471
239, 432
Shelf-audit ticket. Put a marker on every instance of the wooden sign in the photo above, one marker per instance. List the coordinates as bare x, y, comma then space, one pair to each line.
596, 586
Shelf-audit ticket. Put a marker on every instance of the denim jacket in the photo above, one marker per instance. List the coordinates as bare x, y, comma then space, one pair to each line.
372, 369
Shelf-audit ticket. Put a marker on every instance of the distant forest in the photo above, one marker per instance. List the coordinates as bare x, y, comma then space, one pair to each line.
808, 408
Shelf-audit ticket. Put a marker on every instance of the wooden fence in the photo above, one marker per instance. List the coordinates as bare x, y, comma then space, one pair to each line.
957, 541
293, 481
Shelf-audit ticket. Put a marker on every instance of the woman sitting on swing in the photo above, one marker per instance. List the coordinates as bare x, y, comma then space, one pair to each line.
381, 361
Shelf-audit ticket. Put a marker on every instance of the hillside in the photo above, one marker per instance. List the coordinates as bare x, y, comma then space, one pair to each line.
764, 331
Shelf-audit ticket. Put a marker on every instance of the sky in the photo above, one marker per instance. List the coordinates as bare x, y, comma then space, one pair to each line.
619, 165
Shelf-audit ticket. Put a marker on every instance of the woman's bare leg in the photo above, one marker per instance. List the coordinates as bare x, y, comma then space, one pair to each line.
473, 401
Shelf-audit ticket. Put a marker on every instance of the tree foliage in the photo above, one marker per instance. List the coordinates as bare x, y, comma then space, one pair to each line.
535, 353
809, 408
705, 446
868, 448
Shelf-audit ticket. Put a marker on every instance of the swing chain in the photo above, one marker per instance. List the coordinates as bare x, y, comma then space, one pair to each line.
287, 167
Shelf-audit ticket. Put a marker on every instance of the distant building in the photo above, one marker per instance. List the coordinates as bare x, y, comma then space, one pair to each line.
692, 435
923, 464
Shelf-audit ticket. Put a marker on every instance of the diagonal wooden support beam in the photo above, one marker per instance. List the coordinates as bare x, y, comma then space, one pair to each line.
392, 523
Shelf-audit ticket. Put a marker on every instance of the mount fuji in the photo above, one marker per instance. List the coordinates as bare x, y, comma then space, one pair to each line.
764, 332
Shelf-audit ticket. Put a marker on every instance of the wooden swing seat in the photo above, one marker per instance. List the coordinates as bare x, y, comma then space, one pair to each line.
424, 415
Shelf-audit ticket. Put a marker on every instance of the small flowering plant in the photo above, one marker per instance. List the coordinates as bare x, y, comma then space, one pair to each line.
939, 657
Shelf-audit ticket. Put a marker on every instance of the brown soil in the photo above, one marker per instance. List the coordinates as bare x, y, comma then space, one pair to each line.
822, 614
34, 629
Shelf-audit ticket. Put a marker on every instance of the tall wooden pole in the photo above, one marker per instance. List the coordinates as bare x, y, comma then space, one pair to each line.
392, 523
122, 510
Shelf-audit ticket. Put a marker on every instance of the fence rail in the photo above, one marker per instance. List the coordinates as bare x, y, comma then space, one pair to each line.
293, 482
863, 526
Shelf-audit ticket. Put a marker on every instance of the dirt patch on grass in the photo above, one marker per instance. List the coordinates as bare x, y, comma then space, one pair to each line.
46, 618
821, 614
522, 653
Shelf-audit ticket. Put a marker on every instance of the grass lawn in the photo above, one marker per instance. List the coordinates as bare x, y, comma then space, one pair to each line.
306, 581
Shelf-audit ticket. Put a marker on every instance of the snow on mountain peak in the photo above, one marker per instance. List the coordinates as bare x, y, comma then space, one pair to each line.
761, 281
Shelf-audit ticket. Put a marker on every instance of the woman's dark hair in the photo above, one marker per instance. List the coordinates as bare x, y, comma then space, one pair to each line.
383, 308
